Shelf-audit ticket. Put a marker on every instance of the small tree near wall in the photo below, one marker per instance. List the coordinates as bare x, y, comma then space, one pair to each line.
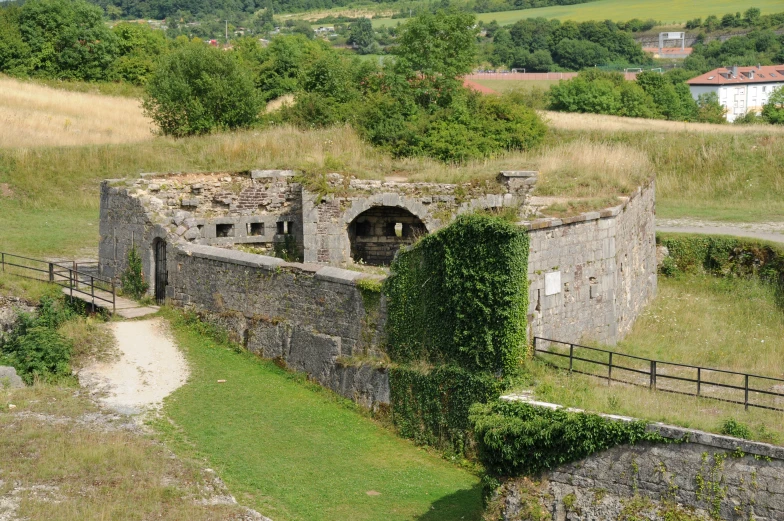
132, 279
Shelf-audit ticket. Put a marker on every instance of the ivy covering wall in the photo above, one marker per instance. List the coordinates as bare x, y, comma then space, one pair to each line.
519, 439
456, 326
460, 296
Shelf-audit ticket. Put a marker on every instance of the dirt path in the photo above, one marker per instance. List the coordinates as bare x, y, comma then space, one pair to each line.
149, 369
768, 231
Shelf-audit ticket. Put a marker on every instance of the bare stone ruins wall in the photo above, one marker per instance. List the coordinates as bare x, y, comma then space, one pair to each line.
592, 274
313, 318
712, 476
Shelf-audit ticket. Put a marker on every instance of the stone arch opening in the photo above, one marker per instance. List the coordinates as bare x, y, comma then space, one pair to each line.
376, 234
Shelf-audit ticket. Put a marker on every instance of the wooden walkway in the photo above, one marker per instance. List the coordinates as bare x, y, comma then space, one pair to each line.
123, 307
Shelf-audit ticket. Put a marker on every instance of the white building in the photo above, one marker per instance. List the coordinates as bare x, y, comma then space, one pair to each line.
740, 89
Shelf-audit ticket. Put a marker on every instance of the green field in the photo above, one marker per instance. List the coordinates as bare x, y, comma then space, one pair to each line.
726, 323
293, 451
504, 85
665, 11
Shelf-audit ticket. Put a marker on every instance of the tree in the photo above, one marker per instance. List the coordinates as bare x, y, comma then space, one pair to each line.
709, 109
437, 45
199, 89
361, 34
579, 54
773, 110
752, 16
15, 54
67, 39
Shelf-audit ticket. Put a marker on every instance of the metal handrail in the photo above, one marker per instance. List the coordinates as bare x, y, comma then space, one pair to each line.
654, 373
66, 277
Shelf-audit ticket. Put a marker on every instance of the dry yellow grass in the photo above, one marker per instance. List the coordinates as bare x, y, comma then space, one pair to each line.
35, 115
577, 121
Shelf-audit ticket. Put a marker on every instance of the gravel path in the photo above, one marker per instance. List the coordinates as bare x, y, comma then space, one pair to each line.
769, 231
149, 369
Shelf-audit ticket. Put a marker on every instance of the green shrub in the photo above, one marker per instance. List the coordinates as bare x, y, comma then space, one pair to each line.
431, 406
721, 255
35, 348
519, 439
132, 279
732, 427
460, 296
199, 89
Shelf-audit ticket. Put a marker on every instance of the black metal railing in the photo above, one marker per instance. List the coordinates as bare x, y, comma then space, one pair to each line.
69, 276
764, 392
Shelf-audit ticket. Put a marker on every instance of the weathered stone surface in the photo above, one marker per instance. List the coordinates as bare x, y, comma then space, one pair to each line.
10, 307
608, 272
730, 478
9, 378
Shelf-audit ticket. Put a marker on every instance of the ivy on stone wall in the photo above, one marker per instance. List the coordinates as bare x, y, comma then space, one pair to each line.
460, 296
431, 406
456, 304
519, 439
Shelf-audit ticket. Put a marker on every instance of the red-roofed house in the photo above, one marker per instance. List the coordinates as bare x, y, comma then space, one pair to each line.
740, 89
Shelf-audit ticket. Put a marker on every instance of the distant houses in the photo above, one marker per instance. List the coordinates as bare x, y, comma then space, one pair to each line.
740, 89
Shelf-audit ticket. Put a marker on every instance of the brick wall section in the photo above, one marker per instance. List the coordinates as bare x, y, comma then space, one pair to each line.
607, 266
734, 478
309, 316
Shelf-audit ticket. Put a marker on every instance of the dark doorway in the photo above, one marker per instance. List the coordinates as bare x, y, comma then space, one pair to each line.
377, 234
161, 275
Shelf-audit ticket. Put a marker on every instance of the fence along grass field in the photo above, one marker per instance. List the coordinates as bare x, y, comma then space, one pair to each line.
33, 115
706, 321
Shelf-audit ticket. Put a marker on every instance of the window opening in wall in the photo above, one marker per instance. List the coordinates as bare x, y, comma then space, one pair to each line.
224, 230
378, 233
255, 229
285, 227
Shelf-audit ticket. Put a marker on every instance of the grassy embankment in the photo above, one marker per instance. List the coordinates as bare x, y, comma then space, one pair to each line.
294, 451
284, 446
64, 459
667, 11
729, 324
49, 195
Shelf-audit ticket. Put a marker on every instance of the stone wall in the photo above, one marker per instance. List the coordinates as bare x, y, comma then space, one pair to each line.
269, 210
710, 476
313, 318
327, 220
590, 275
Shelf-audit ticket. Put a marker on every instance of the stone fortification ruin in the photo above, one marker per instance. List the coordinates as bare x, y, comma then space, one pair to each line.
275, 259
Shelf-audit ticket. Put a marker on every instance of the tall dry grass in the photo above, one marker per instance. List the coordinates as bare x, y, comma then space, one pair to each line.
600, 122
33, 115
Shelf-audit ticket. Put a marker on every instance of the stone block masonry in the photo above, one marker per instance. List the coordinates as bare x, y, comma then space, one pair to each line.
592, 274
313, 318
714, 476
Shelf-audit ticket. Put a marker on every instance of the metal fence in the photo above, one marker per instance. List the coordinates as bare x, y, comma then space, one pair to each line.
532, 76
84, 285
764, 392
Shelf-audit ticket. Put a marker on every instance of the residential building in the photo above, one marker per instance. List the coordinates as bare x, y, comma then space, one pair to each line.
740, 89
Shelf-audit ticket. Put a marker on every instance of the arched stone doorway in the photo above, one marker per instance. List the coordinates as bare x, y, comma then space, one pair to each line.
378, 233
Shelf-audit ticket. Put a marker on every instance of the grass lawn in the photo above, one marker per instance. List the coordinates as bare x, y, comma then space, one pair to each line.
294, 452
697, 320
504, 85
665, 11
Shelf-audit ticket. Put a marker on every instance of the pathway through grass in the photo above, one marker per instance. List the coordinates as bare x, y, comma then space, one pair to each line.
294, 452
